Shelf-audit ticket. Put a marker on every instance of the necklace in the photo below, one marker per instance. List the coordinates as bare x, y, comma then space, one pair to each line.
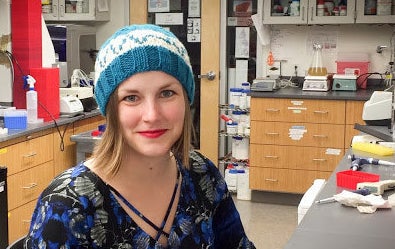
159, 230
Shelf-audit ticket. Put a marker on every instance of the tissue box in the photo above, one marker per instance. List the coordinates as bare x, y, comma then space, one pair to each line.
15, 119
350, 178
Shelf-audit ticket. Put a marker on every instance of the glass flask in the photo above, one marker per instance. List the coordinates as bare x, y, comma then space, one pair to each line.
316, 68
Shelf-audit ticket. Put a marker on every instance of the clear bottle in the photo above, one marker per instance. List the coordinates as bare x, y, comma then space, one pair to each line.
31, 101
316, 68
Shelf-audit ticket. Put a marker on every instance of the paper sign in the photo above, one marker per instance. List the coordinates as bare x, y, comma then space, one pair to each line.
242, 40
158, 6
194, 8
169, 18
193, 30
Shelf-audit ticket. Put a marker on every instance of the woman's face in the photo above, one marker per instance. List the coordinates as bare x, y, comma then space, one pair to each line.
151, 109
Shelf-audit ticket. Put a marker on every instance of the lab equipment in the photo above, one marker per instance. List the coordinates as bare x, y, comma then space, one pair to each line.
377, 188
371, 160
344, 82
361, 191
373, 148
316, 67
316, 83
70, 106
377, 110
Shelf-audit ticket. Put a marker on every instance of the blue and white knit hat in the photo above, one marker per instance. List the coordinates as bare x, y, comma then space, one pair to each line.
140, 48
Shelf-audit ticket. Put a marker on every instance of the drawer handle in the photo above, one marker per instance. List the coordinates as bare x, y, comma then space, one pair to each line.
32, 185
271, 180
319, 159
31, 154
272, 133
320, 136
321, 112
272, 110
272, 157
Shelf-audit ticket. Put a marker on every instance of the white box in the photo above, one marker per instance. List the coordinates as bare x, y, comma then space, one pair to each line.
309, 197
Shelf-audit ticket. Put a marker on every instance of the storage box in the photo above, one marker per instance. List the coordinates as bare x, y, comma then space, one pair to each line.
350, 178
15, 119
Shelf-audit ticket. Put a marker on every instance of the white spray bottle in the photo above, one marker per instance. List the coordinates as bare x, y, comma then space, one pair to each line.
31, 100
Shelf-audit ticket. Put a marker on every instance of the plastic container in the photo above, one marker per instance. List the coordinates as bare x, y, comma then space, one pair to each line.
240, 148
15, 119
350, 178
243, 185
234, 98
231, 179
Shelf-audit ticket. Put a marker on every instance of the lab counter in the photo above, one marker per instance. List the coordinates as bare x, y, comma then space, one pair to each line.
33, 128
333, 225
295, 92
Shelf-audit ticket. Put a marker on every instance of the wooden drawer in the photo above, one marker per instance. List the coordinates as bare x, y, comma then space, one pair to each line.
298, 110
28, 185
27, 154
284, 180
297, 134
88, 124
287, 157
354, 111
19, 220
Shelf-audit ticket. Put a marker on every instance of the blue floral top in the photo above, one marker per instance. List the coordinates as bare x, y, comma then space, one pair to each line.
78, 210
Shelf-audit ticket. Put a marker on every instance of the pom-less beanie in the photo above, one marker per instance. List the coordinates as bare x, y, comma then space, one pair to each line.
140, 48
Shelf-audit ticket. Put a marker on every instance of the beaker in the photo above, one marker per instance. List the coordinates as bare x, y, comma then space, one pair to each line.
316, 68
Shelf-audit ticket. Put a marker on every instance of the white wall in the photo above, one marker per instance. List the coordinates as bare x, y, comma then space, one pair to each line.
5, 72
292, 43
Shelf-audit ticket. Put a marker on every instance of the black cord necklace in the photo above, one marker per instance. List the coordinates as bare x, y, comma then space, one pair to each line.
159, 230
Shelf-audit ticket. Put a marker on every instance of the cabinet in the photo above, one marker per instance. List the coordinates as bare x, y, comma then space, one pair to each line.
273, 13
309, 13
30, 169
80, 10
294, 141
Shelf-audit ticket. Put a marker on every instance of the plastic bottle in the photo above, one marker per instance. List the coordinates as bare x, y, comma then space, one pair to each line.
31, 100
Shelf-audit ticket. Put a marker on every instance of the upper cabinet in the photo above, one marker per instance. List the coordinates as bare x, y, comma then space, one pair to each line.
375, 11
328, 11
77, 10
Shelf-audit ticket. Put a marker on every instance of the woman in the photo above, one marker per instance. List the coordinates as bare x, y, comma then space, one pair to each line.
143, 187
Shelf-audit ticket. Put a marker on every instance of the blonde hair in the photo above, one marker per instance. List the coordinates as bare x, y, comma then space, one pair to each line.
107, 153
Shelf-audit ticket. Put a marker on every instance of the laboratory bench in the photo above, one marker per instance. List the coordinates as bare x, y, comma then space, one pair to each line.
333, 225
297, 136
33, 157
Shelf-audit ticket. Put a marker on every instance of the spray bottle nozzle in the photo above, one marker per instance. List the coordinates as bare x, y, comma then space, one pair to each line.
29, 80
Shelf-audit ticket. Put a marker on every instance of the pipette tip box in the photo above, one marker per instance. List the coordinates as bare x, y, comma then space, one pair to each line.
349, 178
15, 119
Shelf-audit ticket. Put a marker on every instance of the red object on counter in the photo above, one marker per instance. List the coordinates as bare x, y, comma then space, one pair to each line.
350, 178
47, 87
26, 43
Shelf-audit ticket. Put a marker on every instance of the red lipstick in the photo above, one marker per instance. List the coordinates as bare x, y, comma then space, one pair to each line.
153, 133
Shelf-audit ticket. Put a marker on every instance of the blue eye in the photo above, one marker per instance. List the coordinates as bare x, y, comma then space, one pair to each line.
131, 98
167, 93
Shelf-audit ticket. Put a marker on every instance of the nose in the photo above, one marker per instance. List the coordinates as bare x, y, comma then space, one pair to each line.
150, 111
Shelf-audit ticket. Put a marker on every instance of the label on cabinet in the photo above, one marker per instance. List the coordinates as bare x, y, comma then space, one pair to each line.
297, 132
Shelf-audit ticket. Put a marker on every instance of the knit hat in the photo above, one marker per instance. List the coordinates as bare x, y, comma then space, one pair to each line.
140, 48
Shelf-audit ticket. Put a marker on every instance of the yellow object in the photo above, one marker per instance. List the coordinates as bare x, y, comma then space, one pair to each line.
373, 148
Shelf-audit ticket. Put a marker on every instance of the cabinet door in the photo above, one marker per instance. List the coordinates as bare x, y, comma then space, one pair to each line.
371, 12
273, 12
342, 13
308, 13
50, 9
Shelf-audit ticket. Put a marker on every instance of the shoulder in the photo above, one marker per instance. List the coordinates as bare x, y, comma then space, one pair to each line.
75, 182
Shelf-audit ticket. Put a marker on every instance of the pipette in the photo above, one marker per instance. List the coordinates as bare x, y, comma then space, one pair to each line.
356, 162
362, 191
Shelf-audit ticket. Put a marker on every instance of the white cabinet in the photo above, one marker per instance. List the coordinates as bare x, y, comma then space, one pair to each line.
379, 15
77, 10
273, 13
